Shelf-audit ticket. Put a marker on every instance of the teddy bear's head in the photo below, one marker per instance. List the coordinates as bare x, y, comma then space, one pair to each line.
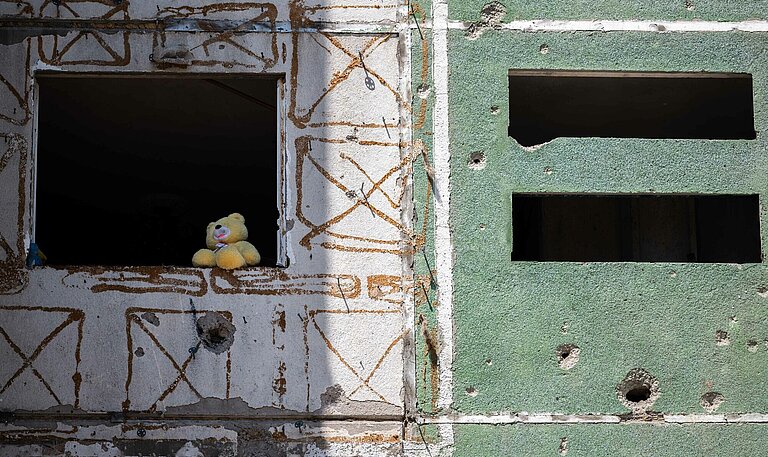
226, 230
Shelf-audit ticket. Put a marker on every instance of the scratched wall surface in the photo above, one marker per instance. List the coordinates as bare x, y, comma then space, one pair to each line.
324, 338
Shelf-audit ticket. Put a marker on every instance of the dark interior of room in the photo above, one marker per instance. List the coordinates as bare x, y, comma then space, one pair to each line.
130, 170
645, 228
548, 104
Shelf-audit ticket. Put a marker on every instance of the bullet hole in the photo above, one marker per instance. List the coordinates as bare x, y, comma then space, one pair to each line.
752, 346
711, 401
638, 391
139, 352
673, 274
564, 328
490, 17
471, 391
544, 49
763, 292
423, 91
492, 13
216, 332
659, 27
567, 355
547, 170
477, 161
563, 448
141, 433
221, 46
495, 110
638, 394
351, 194
488, 362
721, 338
482, 227
689, 5
151, 318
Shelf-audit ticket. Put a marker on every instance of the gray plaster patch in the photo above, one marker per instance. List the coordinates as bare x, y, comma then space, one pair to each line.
333, 394
567, 355
638, 391
216, 332
151, 318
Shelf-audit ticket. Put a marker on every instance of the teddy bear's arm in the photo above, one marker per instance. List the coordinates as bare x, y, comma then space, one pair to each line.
249, 252
204, 258
229, 258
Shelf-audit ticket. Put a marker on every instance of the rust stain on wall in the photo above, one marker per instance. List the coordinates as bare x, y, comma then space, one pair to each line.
138, 280
272, 281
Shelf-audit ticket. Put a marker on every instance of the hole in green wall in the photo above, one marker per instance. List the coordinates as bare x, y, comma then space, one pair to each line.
636, 228
547, 104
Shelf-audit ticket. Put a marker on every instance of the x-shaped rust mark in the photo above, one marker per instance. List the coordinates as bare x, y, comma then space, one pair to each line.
27, 360
181, 370
364, 382
302, 148
355, 62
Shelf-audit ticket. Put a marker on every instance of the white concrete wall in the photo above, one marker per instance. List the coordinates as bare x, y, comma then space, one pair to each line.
322, 339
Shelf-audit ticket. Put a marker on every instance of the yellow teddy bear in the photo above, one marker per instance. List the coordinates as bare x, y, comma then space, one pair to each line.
227, 247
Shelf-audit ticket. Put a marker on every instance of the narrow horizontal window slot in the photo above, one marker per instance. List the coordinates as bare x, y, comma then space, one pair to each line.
644, 228
548, 104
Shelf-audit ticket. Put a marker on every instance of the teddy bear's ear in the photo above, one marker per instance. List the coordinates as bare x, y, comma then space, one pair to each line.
238, 216
211, 225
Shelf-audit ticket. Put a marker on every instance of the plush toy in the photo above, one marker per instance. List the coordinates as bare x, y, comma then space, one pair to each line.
227, 247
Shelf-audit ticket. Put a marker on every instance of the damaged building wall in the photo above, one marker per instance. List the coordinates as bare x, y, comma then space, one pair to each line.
522, 357
306, 359
401, 326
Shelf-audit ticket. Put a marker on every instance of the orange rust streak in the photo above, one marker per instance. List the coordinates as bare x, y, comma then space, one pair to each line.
360, 238
27, 363
380, 361
182, 373
343, 361
176, 382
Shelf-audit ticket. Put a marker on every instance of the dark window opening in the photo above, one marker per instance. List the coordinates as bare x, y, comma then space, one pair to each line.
646, 228
544, 105
130, 170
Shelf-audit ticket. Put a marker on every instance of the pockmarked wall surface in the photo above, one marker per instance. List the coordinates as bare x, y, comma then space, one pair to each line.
541, 358
398, 323
258, 361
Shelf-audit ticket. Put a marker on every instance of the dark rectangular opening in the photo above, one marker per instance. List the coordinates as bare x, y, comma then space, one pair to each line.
644, 228
131, 169
547, 104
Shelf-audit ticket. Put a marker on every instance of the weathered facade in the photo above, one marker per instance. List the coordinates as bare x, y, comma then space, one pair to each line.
395, 323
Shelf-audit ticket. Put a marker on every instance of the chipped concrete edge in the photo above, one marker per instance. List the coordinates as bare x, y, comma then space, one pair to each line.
547, 25
553, 418
406, 137
443, 241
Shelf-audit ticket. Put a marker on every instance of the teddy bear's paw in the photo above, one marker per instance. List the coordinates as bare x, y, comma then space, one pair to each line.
229, 258
204, 258
249, 253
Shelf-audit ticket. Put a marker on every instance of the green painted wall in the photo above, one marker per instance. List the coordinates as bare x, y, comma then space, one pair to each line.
660, 317
611, 440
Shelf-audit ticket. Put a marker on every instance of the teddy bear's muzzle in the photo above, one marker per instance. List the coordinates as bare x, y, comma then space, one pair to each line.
220, 232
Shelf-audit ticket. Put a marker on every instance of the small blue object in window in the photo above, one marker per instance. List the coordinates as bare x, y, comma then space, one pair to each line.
35, 256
